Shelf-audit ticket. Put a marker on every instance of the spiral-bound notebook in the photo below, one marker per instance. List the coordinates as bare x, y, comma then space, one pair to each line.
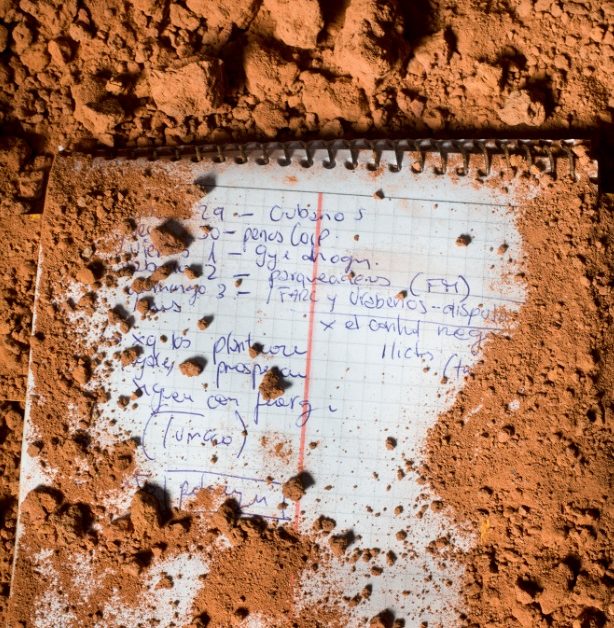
259, 312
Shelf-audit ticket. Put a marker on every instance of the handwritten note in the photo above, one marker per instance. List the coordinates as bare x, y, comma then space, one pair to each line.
372, 294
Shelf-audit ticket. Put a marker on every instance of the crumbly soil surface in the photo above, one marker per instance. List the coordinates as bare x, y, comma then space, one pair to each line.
529, 469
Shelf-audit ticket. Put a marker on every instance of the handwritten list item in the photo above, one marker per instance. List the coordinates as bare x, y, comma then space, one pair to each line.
370, 309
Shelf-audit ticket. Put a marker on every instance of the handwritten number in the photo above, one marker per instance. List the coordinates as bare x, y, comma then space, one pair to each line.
211, 274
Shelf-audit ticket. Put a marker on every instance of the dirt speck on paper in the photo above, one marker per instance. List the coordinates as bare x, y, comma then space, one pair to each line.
272, 385
279, 446
129, 356
192, 367
294, 488
255, 350
324, 524
192, 272
204, 322
340, 542
162, 272
464, 239
502, 248
170, 238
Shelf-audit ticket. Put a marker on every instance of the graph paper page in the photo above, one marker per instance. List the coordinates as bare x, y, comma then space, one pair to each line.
370, 293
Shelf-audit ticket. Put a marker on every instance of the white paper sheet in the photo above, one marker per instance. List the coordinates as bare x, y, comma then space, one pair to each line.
354, 284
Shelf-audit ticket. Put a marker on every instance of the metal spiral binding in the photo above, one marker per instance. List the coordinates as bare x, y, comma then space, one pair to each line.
415, 155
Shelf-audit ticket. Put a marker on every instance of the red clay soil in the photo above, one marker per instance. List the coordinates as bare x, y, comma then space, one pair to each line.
533, 481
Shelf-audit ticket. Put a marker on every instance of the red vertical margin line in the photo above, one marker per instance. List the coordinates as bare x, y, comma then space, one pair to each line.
312, 307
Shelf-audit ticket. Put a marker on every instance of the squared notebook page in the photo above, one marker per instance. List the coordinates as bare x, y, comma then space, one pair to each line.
371, 292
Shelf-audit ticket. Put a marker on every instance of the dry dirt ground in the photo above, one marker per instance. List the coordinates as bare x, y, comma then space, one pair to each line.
79, 73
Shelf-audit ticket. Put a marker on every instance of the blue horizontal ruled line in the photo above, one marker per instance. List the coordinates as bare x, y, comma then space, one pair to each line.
272, 517
248, 513
185, 412
224, 475
482, 297
354, 194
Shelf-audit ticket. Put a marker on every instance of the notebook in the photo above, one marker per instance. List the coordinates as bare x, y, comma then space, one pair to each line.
280, 324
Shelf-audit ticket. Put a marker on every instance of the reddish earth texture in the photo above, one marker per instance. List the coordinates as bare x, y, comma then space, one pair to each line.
534, 482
